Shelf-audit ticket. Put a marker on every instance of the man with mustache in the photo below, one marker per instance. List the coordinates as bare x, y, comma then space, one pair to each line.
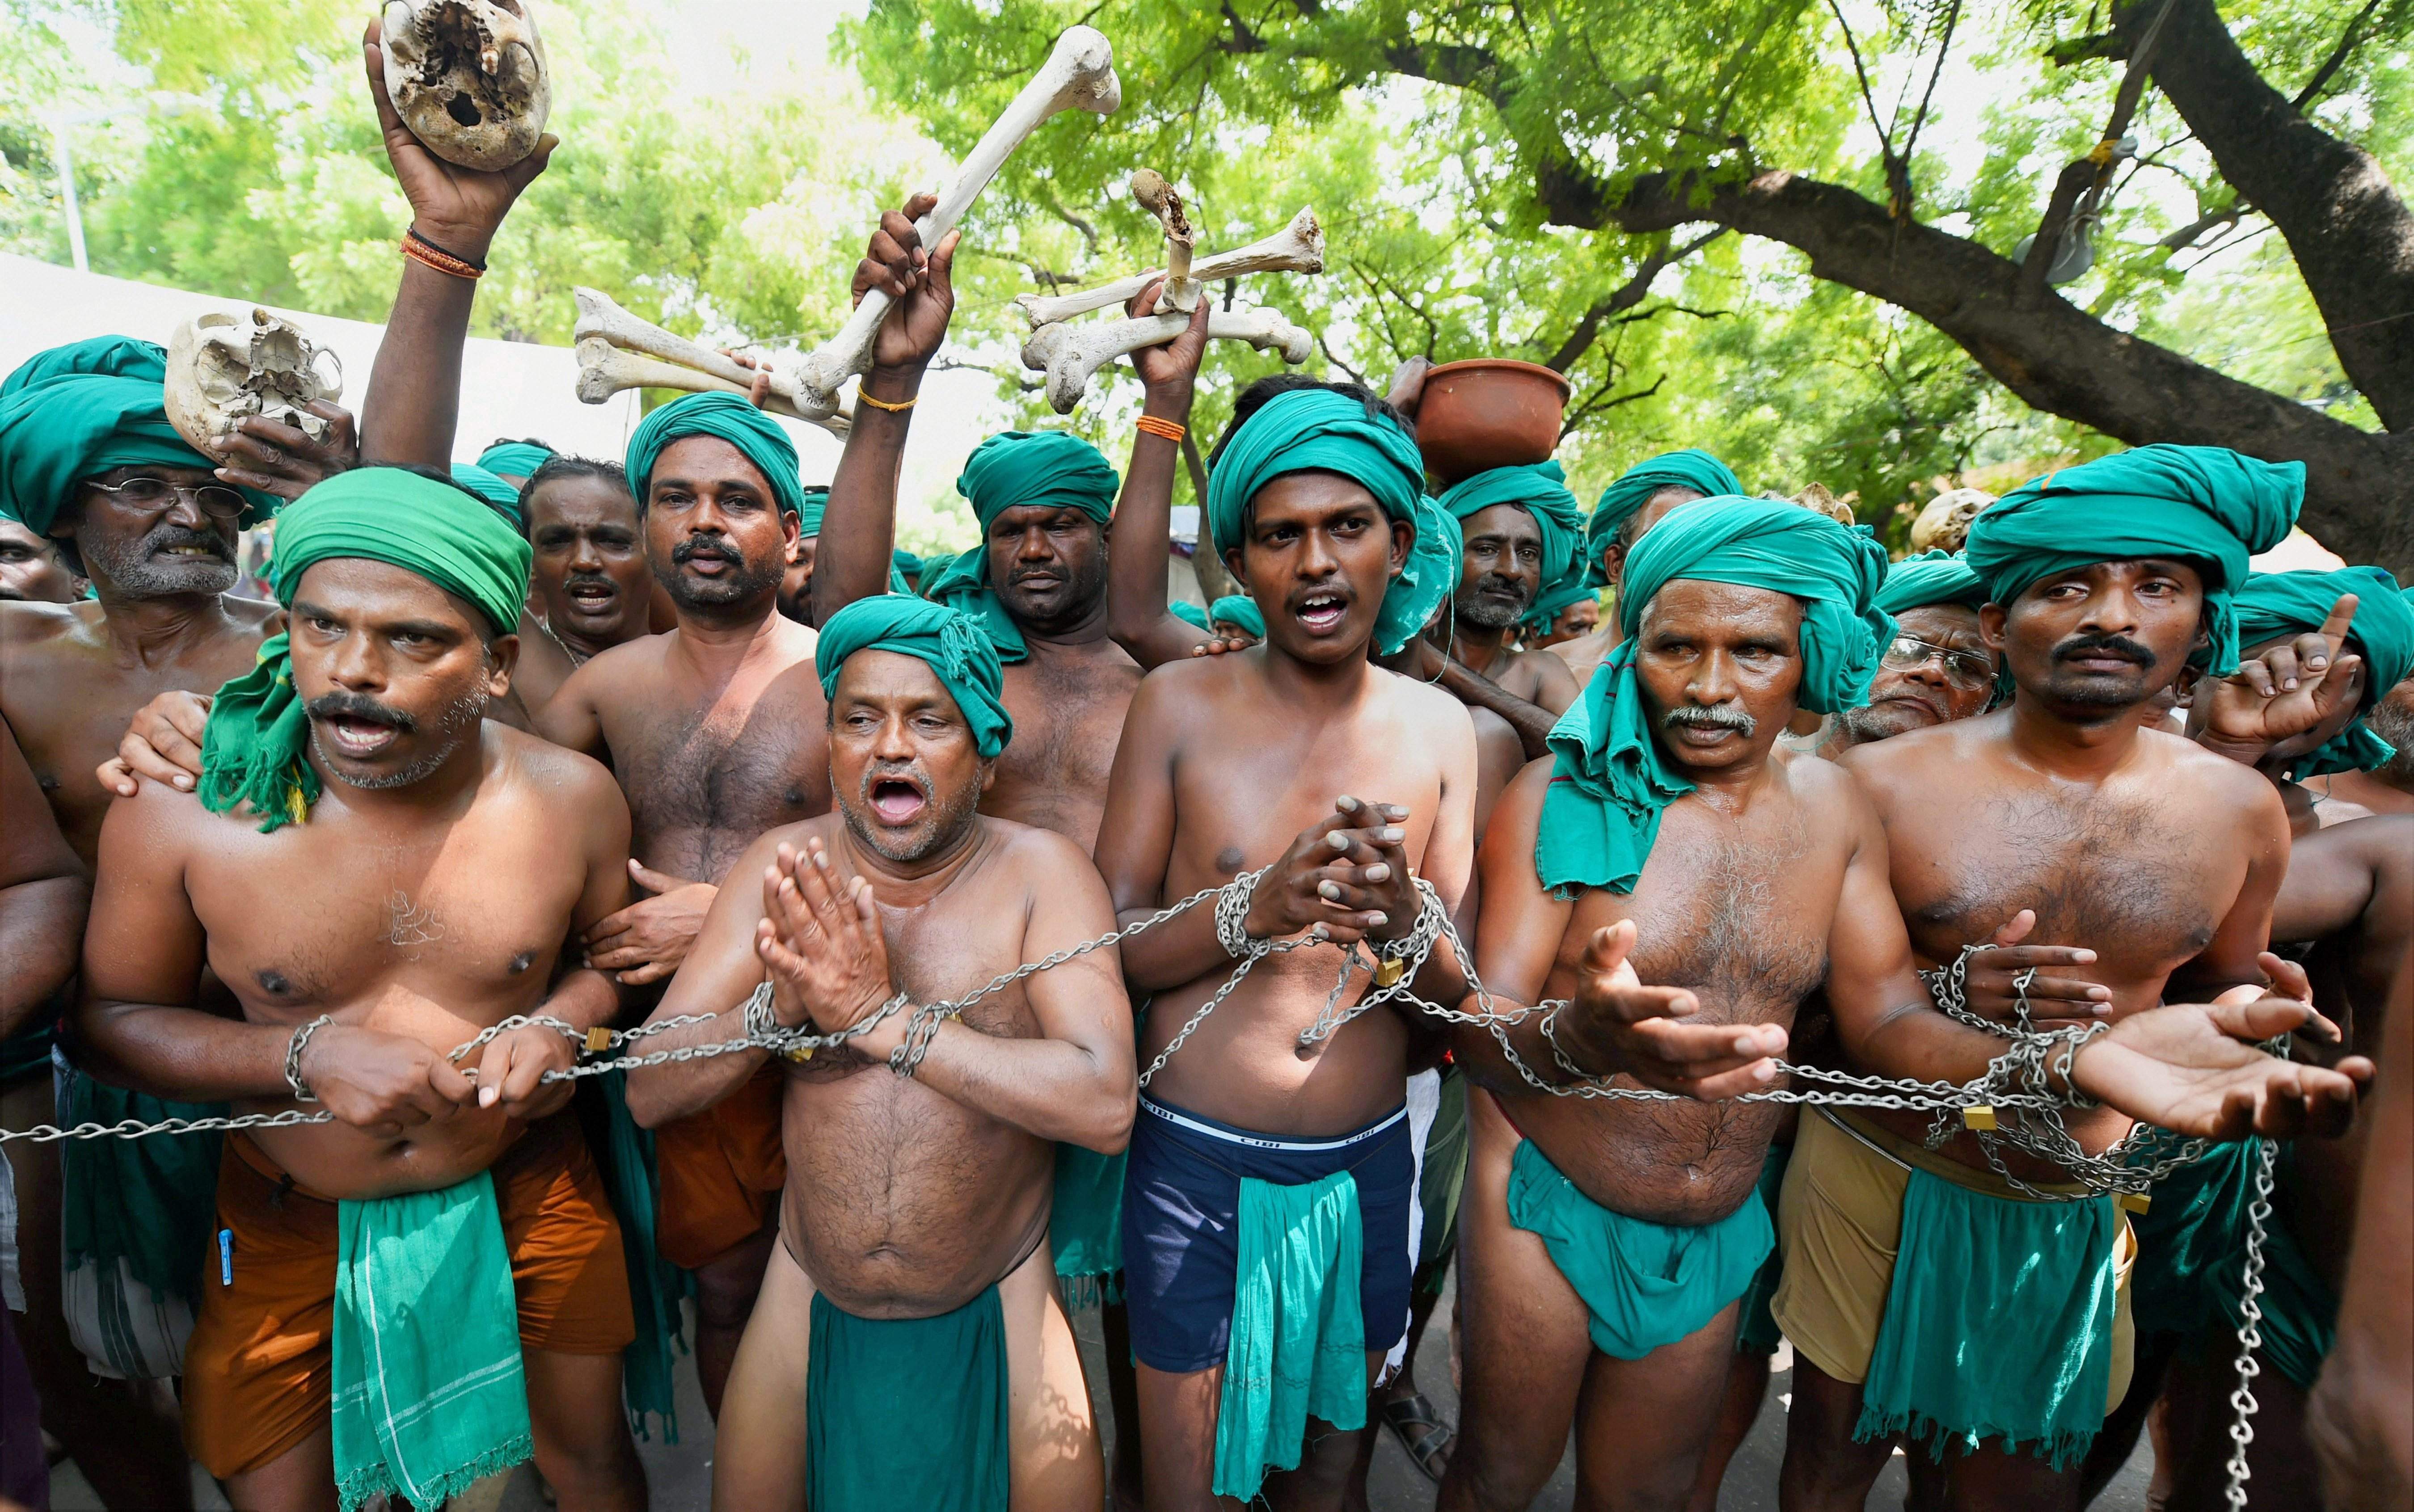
1938, 668
2159, 858
32, 571
1519, 528
428, 1289
591, 574
90, 465
1606, 1244
908, 1350
1640, 498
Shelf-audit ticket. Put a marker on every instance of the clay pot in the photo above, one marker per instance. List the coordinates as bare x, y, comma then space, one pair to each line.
1490, 412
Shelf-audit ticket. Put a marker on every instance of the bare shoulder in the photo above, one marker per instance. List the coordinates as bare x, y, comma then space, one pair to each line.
25, 625
1833, 795
1042, 857
1432, 715
628, 665
168, 823
555, 772
2182, 769
1176, 692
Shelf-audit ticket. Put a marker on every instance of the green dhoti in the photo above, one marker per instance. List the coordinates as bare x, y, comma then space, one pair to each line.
428, 1393
1299, 1338
1086, 1226
135, 1214
1998, 1322
1757, 1331
1645, 1284
2192, 1260
655, 1285
906, 1414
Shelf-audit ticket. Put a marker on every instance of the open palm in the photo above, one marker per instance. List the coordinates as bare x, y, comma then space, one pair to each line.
2194, 1069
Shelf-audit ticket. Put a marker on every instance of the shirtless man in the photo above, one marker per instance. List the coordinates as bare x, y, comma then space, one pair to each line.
797, 585
89, 464
1937, 668
2156, 857
591, 575
1552, 623
2389, 787
444, 864
32, 570
908, 1350
1245, 762
1639, 500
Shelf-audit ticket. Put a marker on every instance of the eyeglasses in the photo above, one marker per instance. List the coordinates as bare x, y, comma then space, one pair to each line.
1963, 669
157, 496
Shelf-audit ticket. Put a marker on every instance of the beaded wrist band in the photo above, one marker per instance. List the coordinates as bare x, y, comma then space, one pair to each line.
421, 250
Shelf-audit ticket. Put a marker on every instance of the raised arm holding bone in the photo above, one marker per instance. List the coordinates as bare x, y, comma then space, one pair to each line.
618, 351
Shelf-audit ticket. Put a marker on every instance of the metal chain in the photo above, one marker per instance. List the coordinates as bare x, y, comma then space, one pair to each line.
2250, 1324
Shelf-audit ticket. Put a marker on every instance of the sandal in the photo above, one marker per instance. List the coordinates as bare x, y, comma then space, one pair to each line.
1424, 1436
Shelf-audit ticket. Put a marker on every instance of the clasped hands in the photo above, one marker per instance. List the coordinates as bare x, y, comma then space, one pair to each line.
819, 939
1346, 875
385, 1083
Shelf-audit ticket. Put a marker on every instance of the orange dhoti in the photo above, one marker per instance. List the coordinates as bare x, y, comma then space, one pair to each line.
258, 1368
721, 1173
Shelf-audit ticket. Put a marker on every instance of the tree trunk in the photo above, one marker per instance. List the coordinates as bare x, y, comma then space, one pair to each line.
2349, 230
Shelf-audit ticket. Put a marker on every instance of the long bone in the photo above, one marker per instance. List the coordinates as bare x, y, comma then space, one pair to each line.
603, 325
1071, 354
1157, 198
1297, 247
605, 370
1078, 75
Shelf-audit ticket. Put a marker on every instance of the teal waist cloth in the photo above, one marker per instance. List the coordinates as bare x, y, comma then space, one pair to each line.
1757, 1331
1086, 1224
2192, 1260
1998, 1325
906, 1416
29, 1049
152, 1202
655, 1285
429, 1392
1299, 1339
1644, 1283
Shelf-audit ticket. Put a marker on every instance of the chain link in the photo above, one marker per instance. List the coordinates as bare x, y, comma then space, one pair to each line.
2250, 1324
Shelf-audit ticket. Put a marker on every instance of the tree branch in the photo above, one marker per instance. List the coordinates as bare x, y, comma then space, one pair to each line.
1626, 296
2337, 59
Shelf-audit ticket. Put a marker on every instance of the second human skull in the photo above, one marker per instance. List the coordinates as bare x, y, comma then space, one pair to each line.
468, 77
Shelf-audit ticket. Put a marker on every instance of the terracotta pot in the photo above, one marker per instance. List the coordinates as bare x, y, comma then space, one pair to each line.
1490, 412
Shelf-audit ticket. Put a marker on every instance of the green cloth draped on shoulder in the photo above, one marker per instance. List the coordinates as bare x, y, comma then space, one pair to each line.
76, 411
491, 488
1299, 1338
1610, 781
1317, 430
2204, 504
1692, 469
1542, 490
964, 658
1643, 1284
1997, 1324
1932, 577
908, 1412
1238, 609
724, 417
2273, 604
1015, 469
2191, 1243
514, 459
429, 1392
254, 747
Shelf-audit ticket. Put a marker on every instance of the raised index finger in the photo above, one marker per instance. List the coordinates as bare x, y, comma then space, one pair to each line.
2342, 615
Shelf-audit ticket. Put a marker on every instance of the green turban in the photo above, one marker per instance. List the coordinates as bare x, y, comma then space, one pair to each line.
1238, 609
1317, 430
809, 513
1553, 602
1188, 613
517, 459
74, 413
946, 638
2273, 604
2207, 504
1542, 490
490, 487
1930, 578
1610, 783
725, 417
905, 562
253, 750
1692, 469
1041, 469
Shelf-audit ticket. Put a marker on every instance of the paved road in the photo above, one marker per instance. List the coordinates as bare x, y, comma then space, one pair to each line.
681, 1475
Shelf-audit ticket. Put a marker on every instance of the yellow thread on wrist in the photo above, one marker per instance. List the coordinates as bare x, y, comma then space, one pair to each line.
883, 404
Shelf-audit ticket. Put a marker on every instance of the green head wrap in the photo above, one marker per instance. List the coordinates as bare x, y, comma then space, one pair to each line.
491, 488
253, 748
1542, 490
1553, 602
1931, 577
1188, 613
1238, 609
814, 499
1610, 783
724, 417
1692, 469
946, 638
2204, 503
519, 459
1317, 430
905, 562
74, 413
2272, 604
1042, 470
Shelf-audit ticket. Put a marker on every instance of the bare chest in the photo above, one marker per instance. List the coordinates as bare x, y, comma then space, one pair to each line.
702, 779
1068, 718
1242, 799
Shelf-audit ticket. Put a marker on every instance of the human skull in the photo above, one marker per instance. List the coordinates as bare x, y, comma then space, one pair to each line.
468, 77
223, 368
1944, 524
1821, 499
